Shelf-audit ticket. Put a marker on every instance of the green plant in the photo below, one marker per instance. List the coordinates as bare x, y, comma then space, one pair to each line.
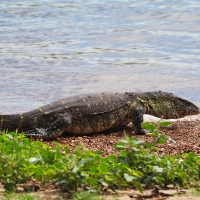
139, 155
23, 160
154, 129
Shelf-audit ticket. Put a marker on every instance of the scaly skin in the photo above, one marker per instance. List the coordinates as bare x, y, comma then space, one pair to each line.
96, 113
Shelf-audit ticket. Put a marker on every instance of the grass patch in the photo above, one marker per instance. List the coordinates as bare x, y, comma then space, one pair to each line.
23, 160
196, 191
86, 195
15, 196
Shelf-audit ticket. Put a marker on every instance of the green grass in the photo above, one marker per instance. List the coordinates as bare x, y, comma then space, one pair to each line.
196, 191
15, 196
86, 196
23, 160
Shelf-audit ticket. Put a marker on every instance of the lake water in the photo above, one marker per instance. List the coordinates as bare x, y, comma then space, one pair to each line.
54, 49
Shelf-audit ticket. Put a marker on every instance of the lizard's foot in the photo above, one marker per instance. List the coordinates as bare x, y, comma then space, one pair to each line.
142, 131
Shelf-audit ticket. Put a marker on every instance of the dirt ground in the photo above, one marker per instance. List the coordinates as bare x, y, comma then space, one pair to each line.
186, 135
130, 194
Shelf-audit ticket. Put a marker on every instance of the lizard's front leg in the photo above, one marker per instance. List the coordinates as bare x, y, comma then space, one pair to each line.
137, 119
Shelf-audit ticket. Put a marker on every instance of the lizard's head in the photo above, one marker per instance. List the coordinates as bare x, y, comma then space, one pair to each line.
184, 107
167, 105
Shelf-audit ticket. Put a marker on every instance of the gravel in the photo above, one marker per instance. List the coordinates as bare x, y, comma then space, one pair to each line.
186, 135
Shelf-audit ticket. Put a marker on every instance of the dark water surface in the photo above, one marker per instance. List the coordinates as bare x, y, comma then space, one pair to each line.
54, 49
